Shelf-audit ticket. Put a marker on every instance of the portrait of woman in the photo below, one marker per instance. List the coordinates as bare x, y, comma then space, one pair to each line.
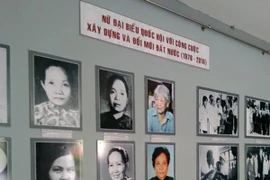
116, 160
115, 99
57, 160
5, 159
160, 106
160, 161
56, 97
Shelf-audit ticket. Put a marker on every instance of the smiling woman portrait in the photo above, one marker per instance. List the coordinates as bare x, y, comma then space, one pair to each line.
56, 92
57, 160
115, 99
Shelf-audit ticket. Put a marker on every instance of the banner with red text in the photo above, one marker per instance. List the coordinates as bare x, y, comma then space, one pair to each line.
114, 28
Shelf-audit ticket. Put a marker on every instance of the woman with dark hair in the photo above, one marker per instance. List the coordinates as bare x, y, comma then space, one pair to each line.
160, 161
55, 161
56, 80
117, 96
118, 162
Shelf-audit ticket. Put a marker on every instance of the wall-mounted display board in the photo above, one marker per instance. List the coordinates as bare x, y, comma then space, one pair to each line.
4, 85
56, 159
217, 161
257, 117
160, 161
116, 160
117, 29
159, 106
55, 92
115, 100
5, 158
217, 113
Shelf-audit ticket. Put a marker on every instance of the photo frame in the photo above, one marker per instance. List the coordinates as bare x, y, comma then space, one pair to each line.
256, 161
217, 161
55, 92
163, 104
115, 100
160, 157
50, 158
257, 118
5, 160
5, 119
218, 116
116, 159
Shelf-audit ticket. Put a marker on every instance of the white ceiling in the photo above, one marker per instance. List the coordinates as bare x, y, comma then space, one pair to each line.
250, 16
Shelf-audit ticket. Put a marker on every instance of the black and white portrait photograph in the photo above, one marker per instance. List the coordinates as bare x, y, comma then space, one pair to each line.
257, 162
217, 161
56, 159
160, 105
160, 161
116, 160
55, 92
5, 158
257, 117
115, 100
4, 85
217, 113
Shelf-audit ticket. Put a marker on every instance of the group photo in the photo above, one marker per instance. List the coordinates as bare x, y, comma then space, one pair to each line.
160, 106
218, 112
160, 161
55, 92
56, 159
115, 100
257, 162
116, 160
257, 117
217, 162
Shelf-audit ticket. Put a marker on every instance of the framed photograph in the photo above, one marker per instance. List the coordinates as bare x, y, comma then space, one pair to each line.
257, 118
160, 161
217, 113
115, 100
257, 162
4, 85
217, 161
160, 106
5, 158
55, 92
116, 160
56, 159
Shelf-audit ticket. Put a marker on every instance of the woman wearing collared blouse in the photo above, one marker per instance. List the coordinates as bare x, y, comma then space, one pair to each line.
160, 120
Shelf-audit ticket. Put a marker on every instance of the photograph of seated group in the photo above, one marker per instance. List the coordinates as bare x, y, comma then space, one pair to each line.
55, 92
160, 106
217, 113
116, 160
115, 100
56, 159
4, 85
217, 161
257, 117
257, 162
5, 158
160, 161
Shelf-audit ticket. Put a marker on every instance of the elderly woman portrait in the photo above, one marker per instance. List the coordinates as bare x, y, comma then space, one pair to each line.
58, 161
160, 117
160, 161
115, 89
116, 160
